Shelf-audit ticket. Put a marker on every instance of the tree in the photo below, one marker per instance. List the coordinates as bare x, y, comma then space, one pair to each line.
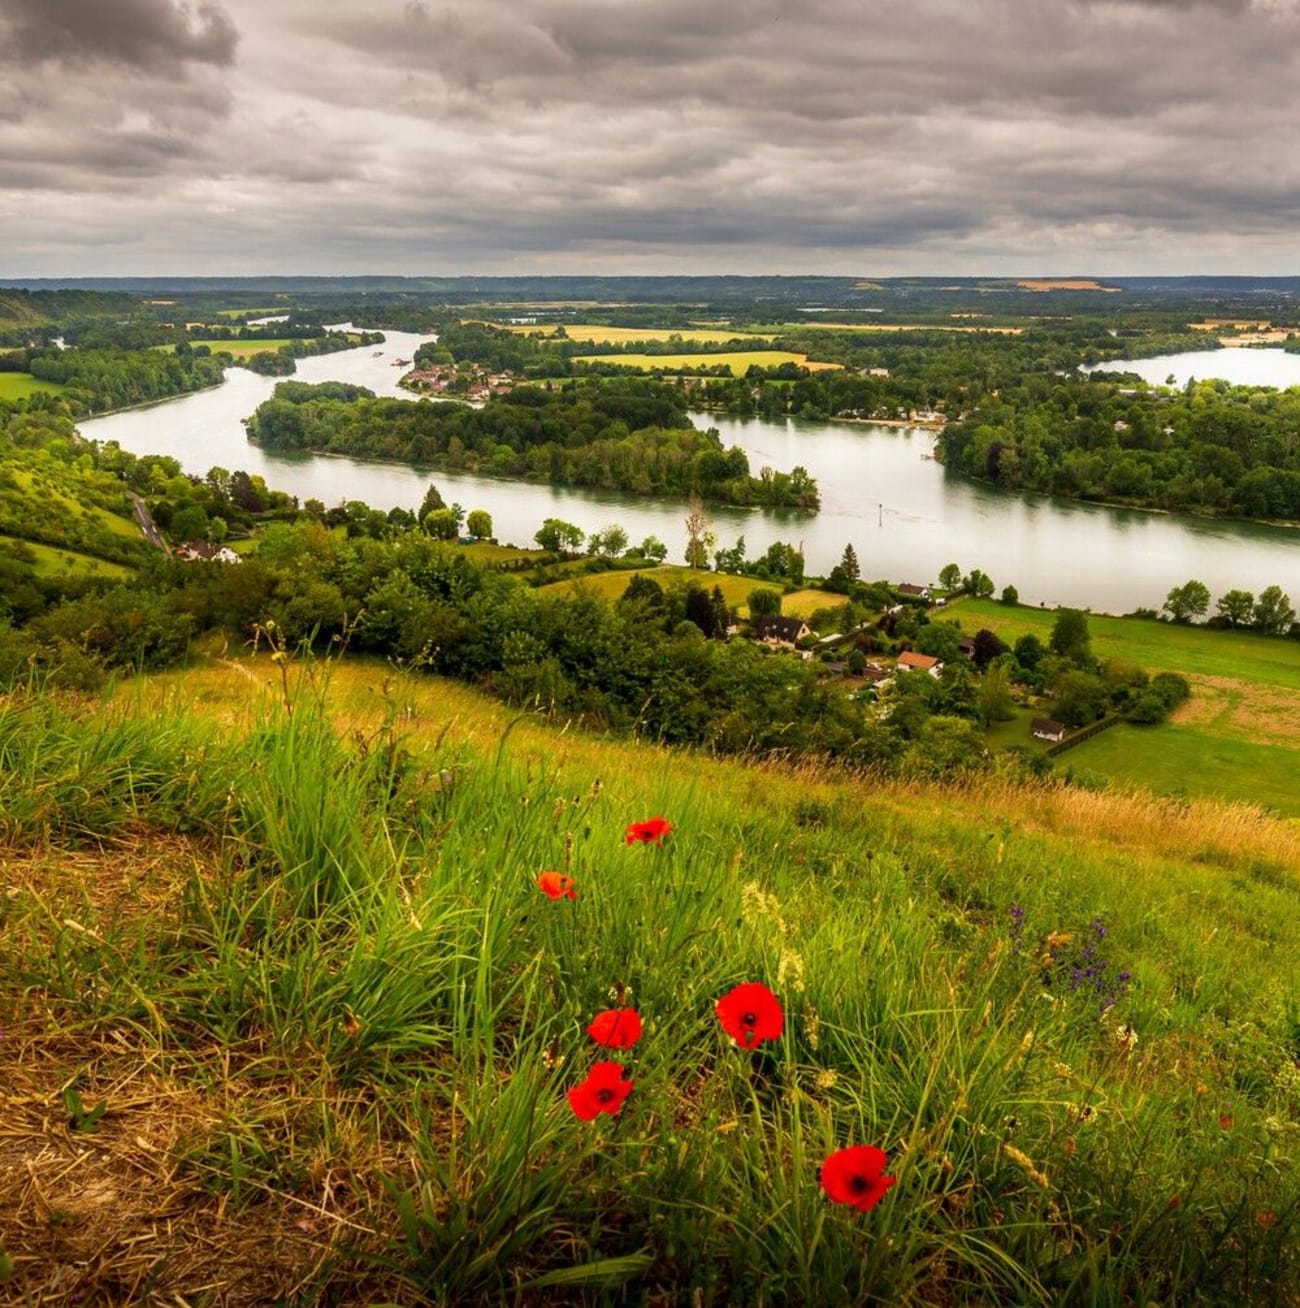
764, 603
1080, 698
699, 610
732, 560
1236, 606
845, 572
950, 576
993, 695
609, 543
979, 583
654, 549
479, 523
441, 524
1010, 595
1187, 601
1273, 612
1029, 651
559, 536
988, 646
1070, 639
700, 536
432, 501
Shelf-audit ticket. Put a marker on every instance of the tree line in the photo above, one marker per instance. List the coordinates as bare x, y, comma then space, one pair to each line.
632, 436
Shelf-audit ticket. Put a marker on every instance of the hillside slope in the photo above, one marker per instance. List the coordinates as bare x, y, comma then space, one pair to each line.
282, 922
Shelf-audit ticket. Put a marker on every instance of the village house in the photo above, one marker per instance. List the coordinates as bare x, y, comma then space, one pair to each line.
780, 633
1047, 729
914, 592
910, 661
194, 551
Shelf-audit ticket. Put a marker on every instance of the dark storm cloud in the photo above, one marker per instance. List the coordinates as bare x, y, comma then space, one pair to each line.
154, 36
823, 135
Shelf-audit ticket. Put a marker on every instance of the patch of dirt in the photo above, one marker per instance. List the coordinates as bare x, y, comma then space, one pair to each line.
111, 1215
1228, 707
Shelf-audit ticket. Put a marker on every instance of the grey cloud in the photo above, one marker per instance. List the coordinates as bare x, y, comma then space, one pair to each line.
154, 36
395, 134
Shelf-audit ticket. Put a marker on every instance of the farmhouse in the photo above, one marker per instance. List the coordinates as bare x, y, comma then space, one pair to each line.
908, 661
780, 633
1047, 729
916, 592
195, 550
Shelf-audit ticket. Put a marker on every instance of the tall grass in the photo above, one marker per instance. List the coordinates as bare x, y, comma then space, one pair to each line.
358, 968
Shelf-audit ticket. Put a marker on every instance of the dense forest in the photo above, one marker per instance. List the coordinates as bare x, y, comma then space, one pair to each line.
1209, 448
630, 435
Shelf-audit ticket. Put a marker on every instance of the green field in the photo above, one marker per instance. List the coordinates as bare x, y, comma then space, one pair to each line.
610, 585
739, 362
52, 561
1191, 650
1237, 738
489, 552
1182, 761
244, 348
19, 385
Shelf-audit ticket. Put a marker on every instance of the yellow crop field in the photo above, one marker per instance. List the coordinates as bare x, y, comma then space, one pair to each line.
739, 362
599, 334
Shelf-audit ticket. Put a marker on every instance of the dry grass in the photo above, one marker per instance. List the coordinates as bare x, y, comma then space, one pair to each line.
121, 1213
1231, 707
1063, 284
1186, 828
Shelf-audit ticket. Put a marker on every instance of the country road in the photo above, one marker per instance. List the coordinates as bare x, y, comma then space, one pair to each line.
144, 519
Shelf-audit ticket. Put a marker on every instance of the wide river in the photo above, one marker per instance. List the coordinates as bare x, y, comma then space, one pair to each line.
881, 490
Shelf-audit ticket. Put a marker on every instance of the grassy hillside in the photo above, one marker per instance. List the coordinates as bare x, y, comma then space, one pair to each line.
49, 501
1238, 737
286, 1014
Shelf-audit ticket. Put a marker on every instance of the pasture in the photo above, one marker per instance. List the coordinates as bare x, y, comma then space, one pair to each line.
19, 385
243, 349
1237, 738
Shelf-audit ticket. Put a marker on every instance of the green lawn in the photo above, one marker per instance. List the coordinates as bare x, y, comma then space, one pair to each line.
19, 385
1184, 761
1238, 737
1244, 655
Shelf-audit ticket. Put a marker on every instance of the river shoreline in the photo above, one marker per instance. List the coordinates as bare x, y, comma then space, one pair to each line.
905, 516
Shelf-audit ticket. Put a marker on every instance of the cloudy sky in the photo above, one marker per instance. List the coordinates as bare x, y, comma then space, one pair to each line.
869, 137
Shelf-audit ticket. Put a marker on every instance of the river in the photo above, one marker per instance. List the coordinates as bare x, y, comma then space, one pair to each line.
904, 515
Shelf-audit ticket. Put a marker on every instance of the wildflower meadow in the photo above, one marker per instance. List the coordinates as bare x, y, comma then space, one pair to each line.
352, 988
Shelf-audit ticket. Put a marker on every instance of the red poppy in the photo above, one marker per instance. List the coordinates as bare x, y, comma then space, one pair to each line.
750, 1014
646, 833
616, 1028
602, 1092
556, 885
856, 1176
